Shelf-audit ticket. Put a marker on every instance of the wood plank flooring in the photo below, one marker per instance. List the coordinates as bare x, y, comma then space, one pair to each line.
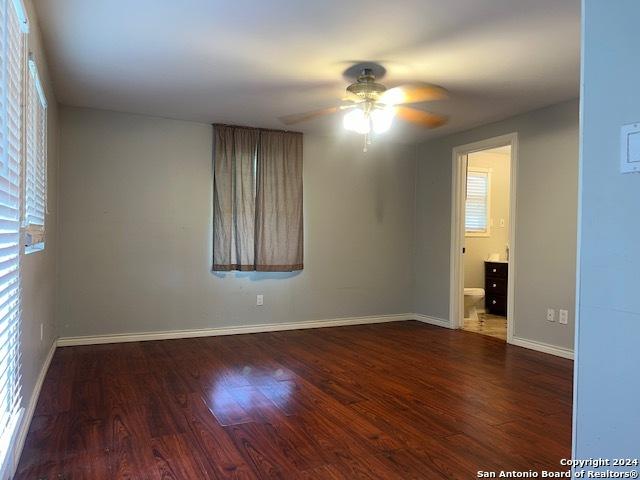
399, 400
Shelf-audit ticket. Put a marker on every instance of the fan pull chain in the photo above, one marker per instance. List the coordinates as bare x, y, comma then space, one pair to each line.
367, 142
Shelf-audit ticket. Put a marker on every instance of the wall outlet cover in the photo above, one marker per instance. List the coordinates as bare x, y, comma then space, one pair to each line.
260, 300
551, 315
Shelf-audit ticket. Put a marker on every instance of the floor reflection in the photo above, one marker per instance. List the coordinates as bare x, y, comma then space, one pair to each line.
250, 395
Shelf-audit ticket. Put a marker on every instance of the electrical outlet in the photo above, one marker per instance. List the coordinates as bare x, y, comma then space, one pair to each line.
551, 314
563, 318
41, 332
260, 300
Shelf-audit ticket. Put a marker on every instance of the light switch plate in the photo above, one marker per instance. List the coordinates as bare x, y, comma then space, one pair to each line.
630, 148
563, 318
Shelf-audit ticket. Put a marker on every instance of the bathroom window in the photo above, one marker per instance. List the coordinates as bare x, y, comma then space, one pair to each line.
477, 203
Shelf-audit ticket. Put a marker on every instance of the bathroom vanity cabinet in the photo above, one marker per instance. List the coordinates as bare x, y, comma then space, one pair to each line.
496, 276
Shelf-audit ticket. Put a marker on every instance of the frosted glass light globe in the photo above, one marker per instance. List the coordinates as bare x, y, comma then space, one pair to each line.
357, 121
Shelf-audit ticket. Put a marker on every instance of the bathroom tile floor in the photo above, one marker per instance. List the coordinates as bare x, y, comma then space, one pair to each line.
487, 324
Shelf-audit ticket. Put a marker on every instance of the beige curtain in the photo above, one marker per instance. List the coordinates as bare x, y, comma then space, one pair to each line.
234, 203
257, 200
279, 229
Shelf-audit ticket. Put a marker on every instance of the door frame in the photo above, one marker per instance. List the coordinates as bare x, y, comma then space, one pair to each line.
456, 288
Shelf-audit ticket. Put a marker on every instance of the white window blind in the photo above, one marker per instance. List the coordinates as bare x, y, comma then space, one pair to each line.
35, 183
477, 204
12, 60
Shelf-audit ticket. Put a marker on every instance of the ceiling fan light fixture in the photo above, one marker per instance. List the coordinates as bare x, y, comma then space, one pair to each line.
374, 107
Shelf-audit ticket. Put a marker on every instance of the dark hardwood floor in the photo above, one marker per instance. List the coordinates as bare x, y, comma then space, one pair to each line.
399, 400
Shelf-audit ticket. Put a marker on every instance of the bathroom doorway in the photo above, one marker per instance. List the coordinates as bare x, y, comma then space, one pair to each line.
483, 229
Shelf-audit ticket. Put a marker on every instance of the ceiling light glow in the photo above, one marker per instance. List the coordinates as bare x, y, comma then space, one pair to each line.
357, 121
382, 118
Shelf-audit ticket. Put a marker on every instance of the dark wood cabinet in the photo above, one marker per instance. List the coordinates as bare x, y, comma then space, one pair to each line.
496, 278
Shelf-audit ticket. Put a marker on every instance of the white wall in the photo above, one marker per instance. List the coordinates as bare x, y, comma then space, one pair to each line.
39, 268
478, 248
135, 230
607, 419
545, 224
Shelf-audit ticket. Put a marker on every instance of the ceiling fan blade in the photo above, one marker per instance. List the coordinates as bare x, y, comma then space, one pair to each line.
412, 94
302, 117
420, 117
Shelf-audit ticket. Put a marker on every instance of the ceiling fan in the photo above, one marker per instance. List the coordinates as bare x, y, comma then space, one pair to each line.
373, 107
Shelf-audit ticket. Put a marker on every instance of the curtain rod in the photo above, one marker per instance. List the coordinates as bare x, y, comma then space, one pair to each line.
254, 128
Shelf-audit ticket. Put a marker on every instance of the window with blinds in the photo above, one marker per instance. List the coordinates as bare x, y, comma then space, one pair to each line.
477, 203
35, 172
12, 61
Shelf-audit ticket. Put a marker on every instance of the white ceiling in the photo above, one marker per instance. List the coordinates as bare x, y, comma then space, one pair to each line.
248, 62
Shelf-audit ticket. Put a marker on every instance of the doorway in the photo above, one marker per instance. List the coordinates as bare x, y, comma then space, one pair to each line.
483, 234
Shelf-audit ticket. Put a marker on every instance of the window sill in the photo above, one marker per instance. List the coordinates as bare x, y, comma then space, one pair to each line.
38, 247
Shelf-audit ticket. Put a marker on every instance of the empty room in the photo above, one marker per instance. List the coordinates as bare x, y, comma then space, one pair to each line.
319, 240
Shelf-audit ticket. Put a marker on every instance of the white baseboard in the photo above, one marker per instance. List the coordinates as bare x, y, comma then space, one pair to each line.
33, 401
439, 322
210, 332
274, 327
542, 347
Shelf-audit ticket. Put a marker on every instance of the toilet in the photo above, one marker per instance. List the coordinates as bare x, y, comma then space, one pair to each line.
473, 301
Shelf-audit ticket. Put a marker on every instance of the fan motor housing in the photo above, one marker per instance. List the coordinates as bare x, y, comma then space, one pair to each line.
366, 86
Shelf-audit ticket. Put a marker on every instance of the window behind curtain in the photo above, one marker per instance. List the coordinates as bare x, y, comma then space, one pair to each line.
257, 200
35, 183
12, 61
477, 204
